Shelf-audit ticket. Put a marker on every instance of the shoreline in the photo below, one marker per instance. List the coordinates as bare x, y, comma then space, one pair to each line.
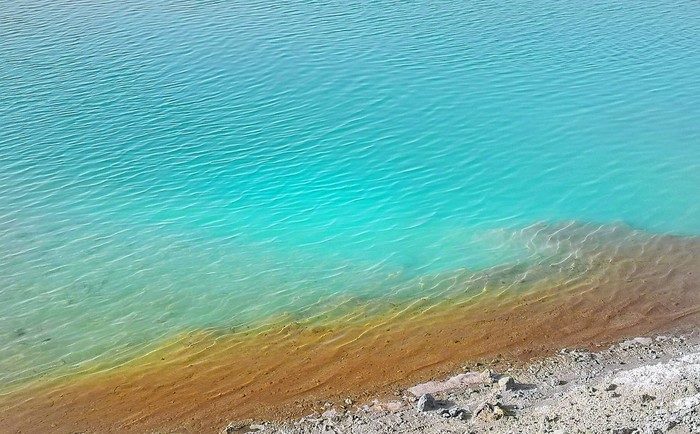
201, 380
200, 383
642, 385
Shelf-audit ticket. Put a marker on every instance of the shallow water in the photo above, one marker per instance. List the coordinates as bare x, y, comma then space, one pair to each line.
168, 168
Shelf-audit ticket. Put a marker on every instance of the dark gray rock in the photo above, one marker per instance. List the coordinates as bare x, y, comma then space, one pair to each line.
506, 383
459, 413
647, 398
426, 402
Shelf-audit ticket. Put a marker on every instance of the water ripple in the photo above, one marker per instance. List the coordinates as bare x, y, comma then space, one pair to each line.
168, 167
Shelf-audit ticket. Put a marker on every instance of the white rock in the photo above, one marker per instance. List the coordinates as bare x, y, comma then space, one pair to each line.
643, 341
461, 380
330, 414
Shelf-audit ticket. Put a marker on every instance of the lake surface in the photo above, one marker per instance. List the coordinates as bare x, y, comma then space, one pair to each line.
171, 167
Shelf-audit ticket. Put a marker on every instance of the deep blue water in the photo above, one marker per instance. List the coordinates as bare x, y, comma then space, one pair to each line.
167, 166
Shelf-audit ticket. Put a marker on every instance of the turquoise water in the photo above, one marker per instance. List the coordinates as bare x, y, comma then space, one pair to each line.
171, 166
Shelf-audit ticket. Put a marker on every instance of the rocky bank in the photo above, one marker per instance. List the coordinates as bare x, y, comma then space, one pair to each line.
642, 385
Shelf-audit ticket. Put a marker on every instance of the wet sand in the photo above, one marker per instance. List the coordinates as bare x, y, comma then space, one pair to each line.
646, 385
205, 379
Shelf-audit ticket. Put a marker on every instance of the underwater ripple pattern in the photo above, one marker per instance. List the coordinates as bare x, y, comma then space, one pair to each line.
173, 166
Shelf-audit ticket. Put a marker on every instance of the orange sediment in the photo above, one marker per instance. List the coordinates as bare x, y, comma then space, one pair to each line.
205, 379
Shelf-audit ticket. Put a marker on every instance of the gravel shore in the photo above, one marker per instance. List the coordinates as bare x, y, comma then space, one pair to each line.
641, 385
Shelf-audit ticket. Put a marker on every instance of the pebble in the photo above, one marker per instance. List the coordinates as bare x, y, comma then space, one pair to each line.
635, 342
551, 418
233, 428
554, 382
647, 398
455, 412
625, 430
459, 413
490, 411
